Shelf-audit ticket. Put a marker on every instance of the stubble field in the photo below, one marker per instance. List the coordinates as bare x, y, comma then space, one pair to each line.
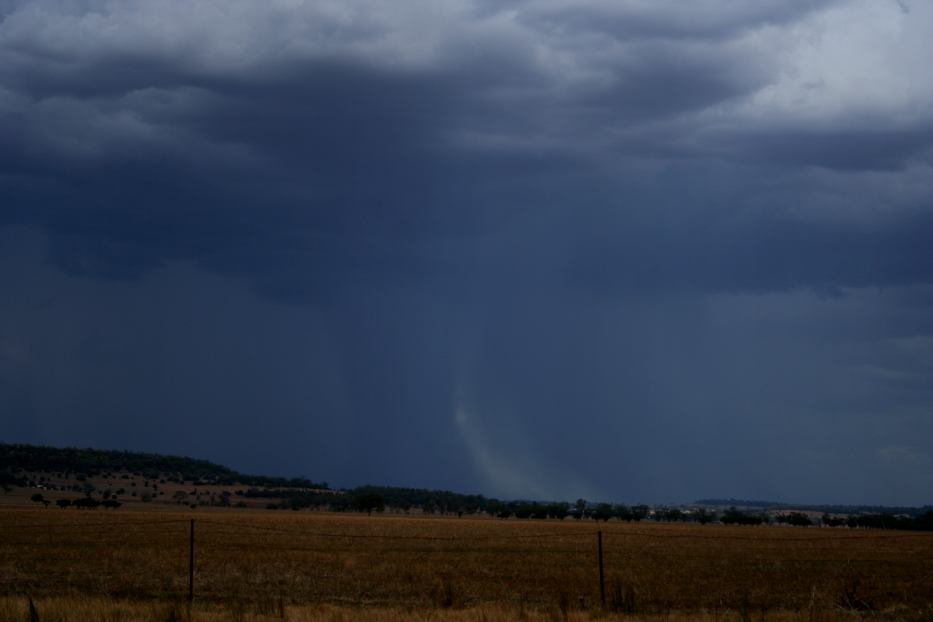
133, 565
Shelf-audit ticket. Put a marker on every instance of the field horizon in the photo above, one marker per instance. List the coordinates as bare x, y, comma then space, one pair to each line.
169, 481
259, 565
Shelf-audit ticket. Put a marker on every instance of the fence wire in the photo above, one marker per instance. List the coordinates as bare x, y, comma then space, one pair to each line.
309, 554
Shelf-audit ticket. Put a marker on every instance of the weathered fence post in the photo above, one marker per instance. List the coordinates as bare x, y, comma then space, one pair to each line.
602, 574
191, 565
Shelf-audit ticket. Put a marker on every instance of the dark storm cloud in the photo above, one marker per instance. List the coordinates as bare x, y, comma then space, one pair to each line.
757, 255
337, 144
713, 20
487, 219
859, 148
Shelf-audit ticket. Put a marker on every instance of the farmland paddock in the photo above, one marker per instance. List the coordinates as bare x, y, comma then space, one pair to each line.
270, 565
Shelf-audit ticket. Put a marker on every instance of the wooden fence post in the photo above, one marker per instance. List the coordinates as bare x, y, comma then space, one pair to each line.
191, 565
602, 574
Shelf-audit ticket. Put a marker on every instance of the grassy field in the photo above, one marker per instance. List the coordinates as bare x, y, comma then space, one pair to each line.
104, 610
129, 565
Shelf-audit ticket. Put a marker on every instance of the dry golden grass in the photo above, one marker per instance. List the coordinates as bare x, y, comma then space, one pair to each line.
107, 610
259, 565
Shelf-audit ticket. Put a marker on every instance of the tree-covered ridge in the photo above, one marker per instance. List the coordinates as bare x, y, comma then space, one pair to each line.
28, 465
41, 458
378, 498
913, 511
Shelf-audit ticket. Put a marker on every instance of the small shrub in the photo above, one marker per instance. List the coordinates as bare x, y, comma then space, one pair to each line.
173, 613
852, 595
563, 605
444, 596
622, 598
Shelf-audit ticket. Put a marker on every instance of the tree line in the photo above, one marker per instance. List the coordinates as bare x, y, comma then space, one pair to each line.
88, 502
18, 458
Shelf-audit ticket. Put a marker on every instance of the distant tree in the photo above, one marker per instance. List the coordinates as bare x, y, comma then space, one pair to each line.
369, 502
495, 508
8, 479
733, 516
111, 504
579, 508
499, 509
539, 511
86, 502
39, 498
558, 510
798, 519
924, 522
523, 510
63, 503
704, 516
602, 511
669, 514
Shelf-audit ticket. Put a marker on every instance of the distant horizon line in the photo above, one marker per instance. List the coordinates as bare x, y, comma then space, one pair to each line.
702, 501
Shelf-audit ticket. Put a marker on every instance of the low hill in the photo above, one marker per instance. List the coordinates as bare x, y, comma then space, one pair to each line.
18, 458
76, 477
913, 511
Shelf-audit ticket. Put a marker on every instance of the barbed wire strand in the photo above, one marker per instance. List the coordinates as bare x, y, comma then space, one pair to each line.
130, 523
566, 535
335, 535
239, 527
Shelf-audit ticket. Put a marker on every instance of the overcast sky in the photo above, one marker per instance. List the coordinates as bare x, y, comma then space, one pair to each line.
629, 250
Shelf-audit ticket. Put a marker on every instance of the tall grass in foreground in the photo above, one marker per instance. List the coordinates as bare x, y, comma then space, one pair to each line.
125, 566
16, 609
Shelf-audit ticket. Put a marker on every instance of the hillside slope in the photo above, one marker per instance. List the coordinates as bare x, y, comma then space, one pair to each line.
17, 458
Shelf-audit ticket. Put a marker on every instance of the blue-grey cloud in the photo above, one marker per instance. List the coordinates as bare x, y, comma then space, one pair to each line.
687, 228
